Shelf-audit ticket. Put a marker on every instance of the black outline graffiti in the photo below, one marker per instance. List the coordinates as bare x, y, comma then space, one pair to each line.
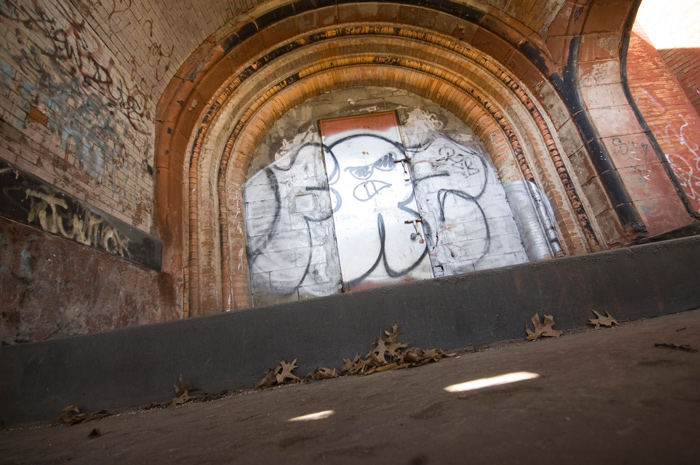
385, 163
272, 229
464, 163
451, 158
381, 257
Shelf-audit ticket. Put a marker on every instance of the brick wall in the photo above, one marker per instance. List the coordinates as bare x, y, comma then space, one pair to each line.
667, 111
673, 30
72, 113
80, 81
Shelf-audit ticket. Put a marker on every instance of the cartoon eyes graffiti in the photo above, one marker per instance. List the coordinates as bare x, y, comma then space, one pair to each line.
371, 187
386, 163
368, 189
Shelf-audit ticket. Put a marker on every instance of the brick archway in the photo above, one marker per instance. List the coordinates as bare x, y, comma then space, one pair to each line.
238, 86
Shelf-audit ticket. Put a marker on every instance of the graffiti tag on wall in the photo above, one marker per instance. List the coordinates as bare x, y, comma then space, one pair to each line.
467, 223
686, 164
289, 230
378, 228
28, 200
58, 72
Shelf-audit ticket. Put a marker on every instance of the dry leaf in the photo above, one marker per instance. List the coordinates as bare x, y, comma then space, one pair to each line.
394, 348
270, 378
100, 414
286, 372
181, 399
602, 320
281, 374
364, 366
71, 416
542, 329
324, 373
182, 387
350, 366
390, 366
412, 355
387, 347
378, 354
393, 335
433, 355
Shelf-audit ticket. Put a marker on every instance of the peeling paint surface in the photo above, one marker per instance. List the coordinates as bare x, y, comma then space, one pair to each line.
52, 288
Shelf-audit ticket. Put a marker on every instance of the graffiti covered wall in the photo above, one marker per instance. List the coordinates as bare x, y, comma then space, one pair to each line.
289, 229
467, 221
71, 111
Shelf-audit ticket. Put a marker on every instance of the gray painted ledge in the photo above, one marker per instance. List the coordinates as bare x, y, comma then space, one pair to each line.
137, 366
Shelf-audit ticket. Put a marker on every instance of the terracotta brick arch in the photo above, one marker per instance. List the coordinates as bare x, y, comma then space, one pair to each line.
227, 96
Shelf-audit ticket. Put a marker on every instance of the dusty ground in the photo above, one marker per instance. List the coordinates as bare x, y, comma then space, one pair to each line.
602, 396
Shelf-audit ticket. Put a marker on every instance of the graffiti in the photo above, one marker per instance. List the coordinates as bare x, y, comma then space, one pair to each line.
63, 70
458, 160
432, 208
88, 229
452, 184
288, 225
28, 200
687, 165
374, 228
631, 149
74, 53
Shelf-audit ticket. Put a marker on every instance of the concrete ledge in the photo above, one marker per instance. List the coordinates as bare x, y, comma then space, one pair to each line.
137, 366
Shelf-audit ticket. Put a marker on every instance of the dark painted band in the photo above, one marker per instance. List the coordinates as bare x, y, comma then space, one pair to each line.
29, 200
138, 365
567, 87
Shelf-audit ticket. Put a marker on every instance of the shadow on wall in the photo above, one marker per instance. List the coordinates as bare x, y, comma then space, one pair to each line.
467, 220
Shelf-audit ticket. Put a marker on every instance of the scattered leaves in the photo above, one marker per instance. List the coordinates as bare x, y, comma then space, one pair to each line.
542, 329
71, 416
386, 354
95, 433
668, 345
606, 320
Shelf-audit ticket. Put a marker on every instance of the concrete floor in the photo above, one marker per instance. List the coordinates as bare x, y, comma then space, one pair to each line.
602, 396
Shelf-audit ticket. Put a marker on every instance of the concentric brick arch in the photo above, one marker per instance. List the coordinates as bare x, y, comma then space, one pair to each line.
253, 84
